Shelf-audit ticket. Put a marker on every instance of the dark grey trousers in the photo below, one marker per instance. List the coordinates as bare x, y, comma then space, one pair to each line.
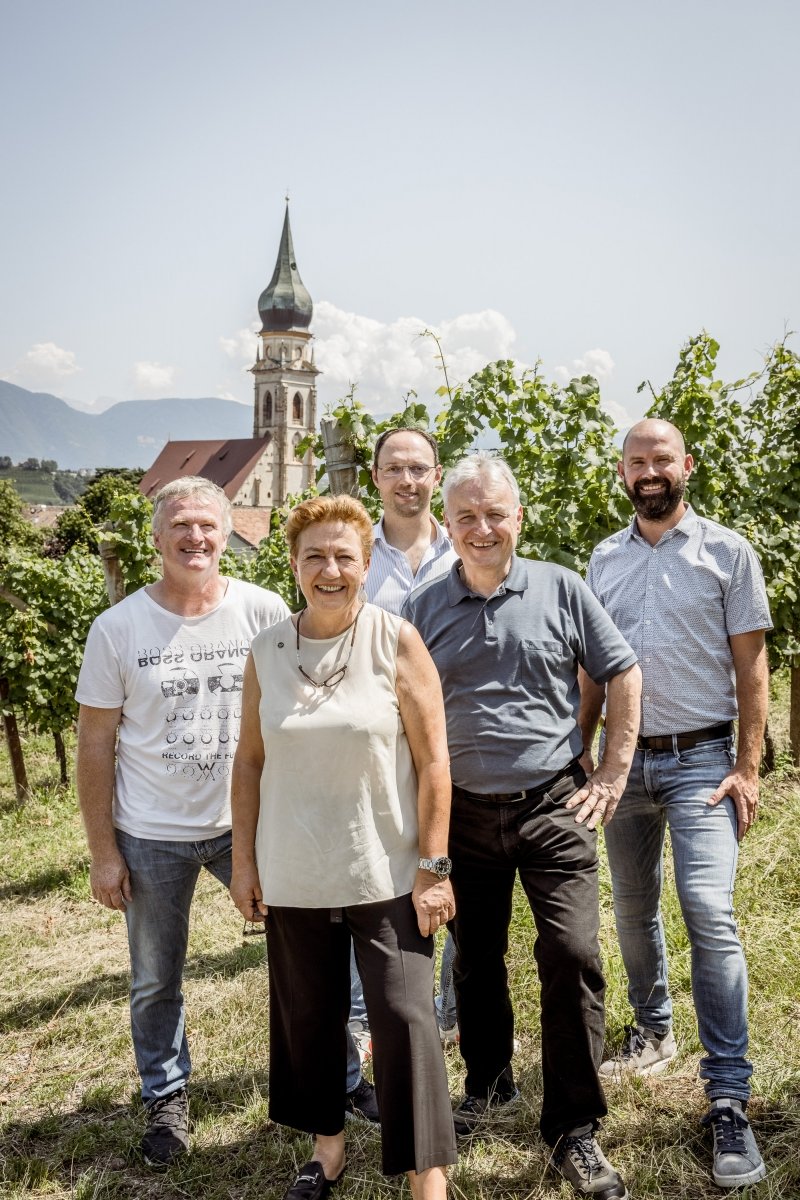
308, 951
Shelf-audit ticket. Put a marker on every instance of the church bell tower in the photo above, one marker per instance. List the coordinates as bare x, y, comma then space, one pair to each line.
285, 376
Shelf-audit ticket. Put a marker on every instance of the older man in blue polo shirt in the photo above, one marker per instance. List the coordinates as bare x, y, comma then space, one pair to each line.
507, 637
689, 596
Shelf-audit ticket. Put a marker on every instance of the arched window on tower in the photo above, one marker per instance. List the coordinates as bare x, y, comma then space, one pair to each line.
268, 408
297, 409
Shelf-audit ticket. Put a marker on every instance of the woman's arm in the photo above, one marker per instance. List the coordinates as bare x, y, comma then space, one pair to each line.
246, 799
419, 694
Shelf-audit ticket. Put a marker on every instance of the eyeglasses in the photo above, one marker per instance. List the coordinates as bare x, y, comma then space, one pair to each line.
417, 471
337, 675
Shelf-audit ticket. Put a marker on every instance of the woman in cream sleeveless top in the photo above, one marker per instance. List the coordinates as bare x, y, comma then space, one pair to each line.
341, 798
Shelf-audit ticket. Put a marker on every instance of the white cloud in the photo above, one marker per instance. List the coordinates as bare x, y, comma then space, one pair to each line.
388, 360
242, 346
45, 361
593, 362
152, 376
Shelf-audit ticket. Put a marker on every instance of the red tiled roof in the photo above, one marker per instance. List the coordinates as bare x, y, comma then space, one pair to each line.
251, 524
226, 463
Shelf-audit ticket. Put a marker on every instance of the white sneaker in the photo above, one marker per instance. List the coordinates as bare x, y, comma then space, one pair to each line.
737, 1161
449, 1037
642, 1053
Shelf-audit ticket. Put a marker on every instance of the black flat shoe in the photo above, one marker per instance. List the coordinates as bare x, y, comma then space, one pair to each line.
311, 1183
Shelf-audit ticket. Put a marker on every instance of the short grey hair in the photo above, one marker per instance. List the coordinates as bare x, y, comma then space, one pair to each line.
193, 485
482, 464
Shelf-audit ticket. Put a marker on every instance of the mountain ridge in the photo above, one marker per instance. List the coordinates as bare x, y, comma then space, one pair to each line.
128, 434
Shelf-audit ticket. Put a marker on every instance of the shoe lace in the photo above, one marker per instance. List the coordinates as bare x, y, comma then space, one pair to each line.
728, 1126
634, 1043
167, 1108
585, 1150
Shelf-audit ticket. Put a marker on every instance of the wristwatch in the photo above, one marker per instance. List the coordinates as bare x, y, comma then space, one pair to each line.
441, 866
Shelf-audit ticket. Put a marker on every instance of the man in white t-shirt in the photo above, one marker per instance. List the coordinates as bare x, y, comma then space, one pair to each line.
160, 695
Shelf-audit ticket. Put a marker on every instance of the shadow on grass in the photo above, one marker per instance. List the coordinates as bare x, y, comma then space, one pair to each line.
116, 986
41, 884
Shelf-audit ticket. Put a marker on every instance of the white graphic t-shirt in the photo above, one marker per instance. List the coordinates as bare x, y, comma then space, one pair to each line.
178, 681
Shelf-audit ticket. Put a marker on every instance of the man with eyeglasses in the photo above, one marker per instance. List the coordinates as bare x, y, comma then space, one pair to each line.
410, 548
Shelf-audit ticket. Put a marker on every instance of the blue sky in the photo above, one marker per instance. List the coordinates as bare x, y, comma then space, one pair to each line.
584, 183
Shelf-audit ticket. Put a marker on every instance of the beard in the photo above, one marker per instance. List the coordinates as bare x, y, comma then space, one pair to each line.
657, 505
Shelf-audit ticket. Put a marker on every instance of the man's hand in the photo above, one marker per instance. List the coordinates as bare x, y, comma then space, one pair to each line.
742, 787
110, 881
433, 901
245, 892
599, 796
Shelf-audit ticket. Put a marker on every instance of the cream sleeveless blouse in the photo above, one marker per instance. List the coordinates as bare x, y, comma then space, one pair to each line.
338, 818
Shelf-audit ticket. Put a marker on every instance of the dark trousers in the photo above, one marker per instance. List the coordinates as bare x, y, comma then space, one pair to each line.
557, 863
309, 979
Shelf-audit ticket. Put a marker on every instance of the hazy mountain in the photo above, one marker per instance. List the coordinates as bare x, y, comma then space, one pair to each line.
129, 434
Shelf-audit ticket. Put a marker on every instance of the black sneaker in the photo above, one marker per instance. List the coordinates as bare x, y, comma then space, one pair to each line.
362, 1102
167, 1133
580, 1161
473, 1109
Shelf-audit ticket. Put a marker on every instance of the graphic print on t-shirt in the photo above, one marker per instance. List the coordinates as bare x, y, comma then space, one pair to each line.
200, 685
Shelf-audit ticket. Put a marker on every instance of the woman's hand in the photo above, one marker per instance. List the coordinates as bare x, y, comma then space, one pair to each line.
245, 892
433, 901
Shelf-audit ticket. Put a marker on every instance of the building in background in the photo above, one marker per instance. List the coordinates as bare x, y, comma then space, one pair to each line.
258, 473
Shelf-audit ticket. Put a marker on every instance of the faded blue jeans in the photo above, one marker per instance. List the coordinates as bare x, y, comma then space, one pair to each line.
446, 1000
163, 878
670, 788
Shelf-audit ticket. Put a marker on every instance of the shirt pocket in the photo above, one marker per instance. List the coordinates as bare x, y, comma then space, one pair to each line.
545, 665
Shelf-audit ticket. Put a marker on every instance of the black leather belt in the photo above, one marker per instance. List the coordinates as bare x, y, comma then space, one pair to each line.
685, 741
563, 784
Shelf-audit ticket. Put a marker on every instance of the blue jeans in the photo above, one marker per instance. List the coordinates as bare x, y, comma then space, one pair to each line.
670, 788
163, 878
446, 1000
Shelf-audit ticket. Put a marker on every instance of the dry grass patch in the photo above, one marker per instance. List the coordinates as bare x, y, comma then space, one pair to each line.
70, 1119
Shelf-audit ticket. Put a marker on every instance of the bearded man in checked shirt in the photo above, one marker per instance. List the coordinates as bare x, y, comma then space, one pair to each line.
689, 597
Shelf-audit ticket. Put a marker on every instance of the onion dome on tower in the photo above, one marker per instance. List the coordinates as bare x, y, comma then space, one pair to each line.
285, 303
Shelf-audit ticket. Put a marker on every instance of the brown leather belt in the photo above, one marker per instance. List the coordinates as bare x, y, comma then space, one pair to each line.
559, 787
685, 741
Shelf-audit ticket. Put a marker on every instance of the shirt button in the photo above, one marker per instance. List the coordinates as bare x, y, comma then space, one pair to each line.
647, 698
648, 622
649, 587
647, 660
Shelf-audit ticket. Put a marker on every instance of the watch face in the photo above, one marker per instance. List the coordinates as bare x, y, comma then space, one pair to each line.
442, 867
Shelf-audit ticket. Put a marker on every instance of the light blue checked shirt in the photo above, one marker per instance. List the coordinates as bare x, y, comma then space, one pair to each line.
677, 604
389, 579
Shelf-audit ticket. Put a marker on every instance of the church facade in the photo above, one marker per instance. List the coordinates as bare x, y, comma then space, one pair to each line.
258, 473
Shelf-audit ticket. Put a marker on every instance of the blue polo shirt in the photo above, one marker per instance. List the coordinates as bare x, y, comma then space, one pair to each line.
509, 670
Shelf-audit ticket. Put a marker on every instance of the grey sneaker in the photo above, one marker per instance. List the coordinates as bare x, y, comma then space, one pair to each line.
642, 1053
737, 1161
579, 1159
472, 1111
167, 1133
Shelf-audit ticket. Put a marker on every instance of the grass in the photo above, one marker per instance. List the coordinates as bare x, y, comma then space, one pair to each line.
70, 1119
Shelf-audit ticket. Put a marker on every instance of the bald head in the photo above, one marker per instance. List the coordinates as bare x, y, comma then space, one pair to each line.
654, 469
654, 429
